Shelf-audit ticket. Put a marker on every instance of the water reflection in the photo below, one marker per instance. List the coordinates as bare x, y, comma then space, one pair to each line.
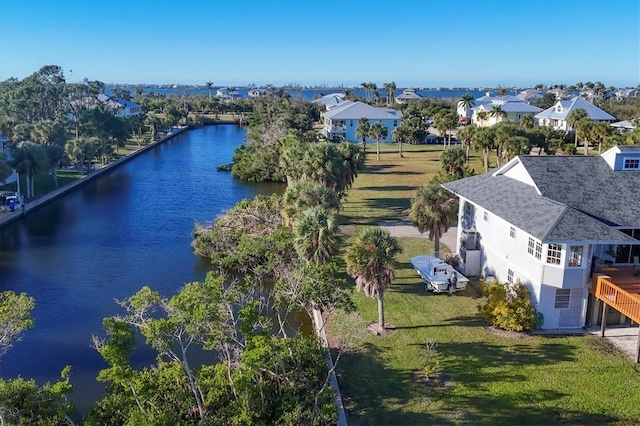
102, 242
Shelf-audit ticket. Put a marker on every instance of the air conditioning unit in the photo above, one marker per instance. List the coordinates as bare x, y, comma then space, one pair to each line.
469, 239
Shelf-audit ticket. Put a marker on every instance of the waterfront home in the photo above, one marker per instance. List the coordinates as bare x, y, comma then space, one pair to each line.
225, 94
513, 109
331, 100
552, 221
407, 95
557, 116
340, 122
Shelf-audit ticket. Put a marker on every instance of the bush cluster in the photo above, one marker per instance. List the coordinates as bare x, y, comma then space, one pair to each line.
507, 306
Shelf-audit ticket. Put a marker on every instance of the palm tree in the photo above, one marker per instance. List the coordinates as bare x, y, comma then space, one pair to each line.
600, 132
377, 132
466, 101
465, 135
401, 134
362, 131
433, 209
572, 120
315, 235
370, 261
483, 115
482, 140
583, 130
453, 161
526, 122
497, 113
390, 88
209, 85
304, 194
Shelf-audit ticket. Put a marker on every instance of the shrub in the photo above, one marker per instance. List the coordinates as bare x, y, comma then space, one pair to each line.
507, 306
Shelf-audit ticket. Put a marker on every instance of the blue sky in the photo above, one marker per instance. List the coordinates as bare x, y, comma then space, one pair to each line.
416, 43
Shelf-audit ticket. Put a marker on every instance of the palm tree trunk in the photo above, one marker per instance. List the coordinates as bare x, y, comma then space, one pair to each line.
381, 309
586, 146
485, 155
436, 244
400, 146
378, 149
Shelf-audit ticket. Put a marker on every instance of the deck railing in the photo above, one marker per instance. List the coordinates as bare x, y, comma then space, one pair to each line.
624, 302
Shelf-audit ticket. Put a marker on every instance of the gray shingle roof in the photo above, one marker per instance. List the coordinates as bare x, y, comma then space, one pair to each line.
356, 110
552, 216
588, 184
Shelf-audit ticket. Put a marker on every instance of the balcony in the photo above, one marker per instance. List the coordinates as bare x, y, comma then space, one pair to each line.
619, 288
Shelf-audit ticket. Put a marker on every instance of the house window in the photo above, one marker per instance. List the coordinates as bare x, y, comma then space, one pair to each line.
538, 250
512, 232
575, 255
531, 245
350, 123
485, 216
395, 123
553, 254
468, 209
563, 295
631, 163
510, 276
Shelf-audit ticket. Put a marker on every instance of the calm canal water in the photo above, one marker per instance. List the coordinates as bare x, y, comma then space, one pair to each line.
107, 239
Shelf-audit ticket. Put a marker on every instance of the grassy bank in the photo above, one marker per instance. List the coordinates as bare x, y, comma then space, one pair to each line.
489, 378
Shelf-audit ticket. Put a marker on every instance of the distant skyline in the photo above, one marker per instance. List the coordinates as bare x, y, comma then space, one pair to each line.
416, 43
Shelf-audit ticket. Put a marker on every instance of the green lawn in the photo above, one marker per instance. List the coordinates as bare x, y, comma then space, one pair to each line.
493, 379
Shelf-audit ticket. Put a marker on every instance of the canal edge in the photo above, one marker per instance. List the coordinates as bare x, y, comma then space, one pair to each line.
8, 218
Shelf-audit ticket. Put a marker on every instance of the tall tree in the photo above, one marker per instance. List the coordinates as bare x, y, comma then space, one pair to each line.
378, 131
370, 261
362, 131
209, 85
401, 135
497, 113
433, 209
390, 89
482, 140
572, 120
315, 235
584, 128
303, 194
526, 122
465, 134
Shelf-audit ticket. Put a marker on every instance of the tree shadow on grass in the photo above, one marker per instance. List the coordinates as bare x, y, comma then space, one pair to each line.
393, 206
476, 365
389, 188
370, 389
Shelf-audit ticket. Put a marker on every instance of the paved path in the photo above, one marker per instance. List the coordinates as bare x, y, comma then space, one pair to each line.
406, 229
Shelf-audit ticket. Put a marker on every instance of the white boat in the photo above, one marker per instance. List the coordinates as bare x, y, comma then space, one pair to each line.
438, 276
11, 201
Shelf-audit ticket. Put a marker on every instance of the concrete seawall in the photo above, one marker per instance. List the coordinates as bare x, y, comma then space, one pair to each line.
6, 218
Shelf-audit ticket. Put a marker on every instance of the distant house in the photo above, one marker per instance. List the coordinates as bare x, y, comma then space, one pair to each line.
331, 100
557, 116
514, 108
407, 95
256, 93
340, 122
550, 222
119, 107
529, 95
623, 126
225, 94
622, 94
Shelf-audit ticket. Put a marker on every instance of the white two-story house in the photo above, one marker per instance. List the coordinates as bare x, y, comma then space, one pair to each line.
547, 221
557, 116
341, 122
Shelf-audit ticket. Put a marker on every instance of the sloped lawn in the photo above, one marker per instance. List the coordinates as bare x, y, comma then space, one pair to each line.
491, 378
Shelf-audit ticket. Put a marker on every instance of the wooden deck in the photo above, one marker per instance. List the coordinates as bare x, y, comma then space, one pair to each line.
619, 288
